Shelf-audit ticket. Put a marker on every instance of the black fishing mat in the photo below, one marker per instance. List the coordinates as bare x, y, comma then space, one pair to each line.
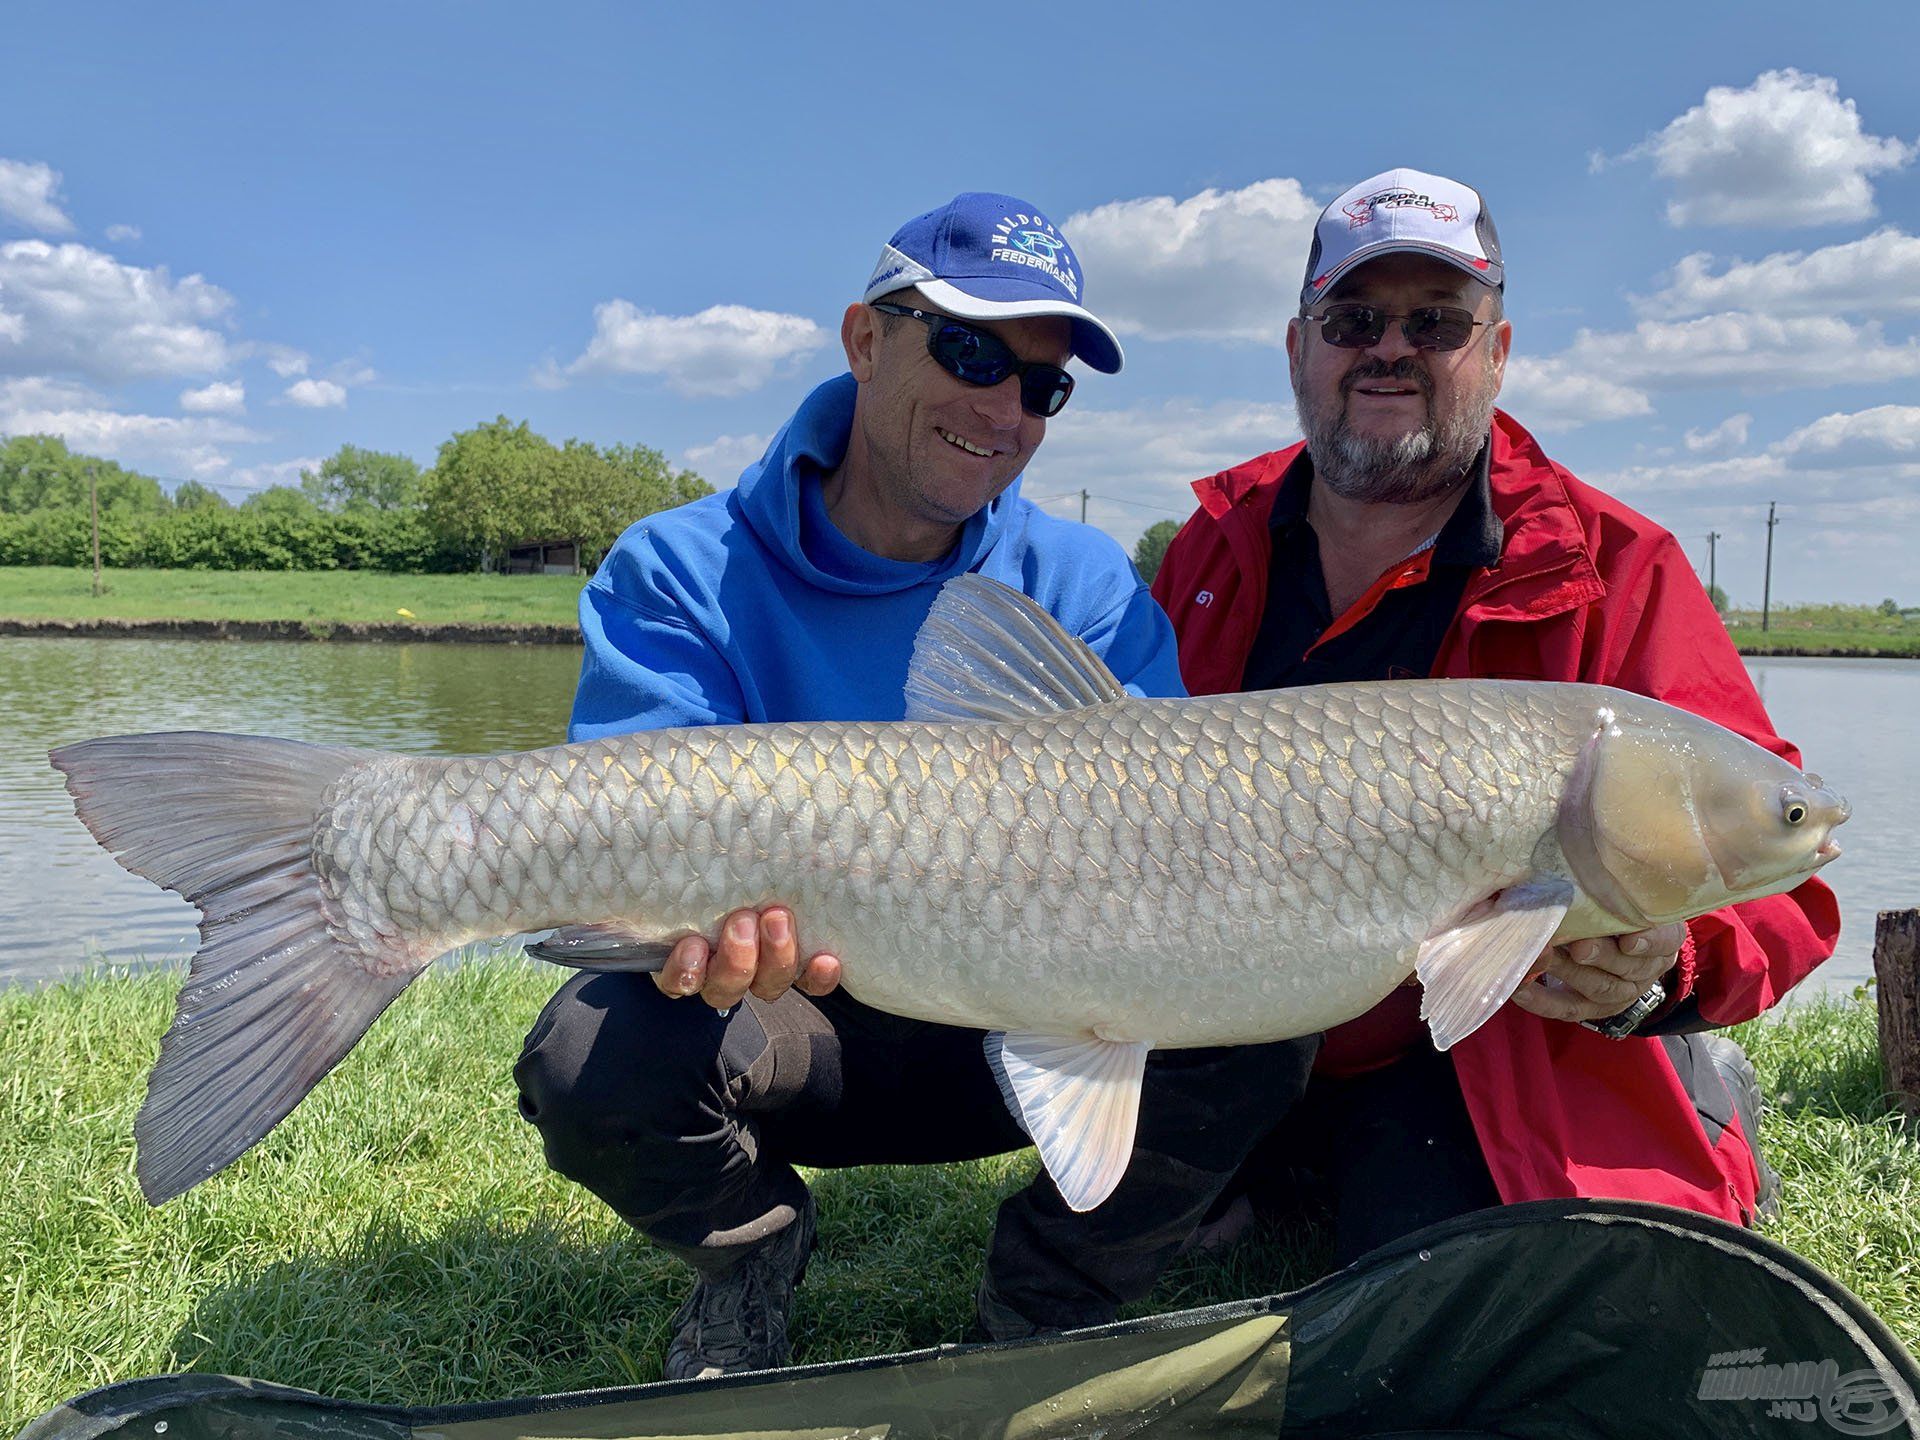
1557, 1319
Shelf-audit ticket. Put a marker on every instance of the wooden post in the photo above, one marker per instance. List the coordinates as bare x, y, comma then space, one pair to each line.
93, 505
1896, 964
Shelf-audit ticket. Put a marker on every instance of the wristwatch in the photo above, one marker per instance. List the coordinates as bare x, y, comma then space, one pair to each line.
1618, 1027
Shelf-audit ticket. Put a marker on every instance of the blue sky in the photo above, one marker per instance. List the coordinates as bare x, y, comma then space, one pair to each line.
235, 237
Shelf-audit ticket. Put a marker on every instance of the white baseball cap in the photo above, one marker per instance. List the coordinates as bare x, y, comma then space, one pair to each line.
1399, 211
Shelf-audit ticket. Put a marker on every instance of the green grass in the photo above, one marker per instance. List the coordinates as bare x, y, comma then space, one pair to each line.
1826, 629
398, 1238
311, 596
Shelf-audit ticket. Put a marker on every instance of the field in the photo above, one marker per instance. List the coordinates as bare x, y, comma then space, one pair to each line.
1826, 630
398, 1239
312, 596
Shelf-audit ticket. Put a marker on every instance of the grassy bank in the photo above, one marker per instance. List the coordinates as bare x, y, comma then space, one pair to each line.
1825, 630
322, 596
398, 1239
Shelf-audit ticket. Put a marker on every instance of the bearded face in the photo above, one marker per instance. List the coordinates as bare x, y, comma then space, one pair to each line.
1391, 423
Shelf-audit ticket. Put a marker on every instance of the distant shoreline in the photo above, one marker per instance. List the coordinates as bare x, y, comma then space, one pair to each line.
389, 632
395, 632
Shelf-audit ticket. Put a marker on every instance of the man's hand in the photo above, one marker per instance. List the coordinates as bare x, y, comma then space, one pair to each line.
1601, 977
756, 953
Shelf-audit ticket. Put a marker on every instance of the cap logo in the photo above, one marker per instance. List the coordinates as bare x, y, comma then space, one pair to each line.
1360, 212
1030, 240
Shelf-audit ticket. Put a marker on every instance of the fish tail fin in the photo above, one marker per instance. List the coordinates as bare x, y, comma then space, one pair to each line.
274, 998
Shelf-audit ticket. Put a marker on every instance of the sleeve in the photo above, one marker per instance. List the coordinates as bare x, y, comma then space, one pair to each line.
1661, 636
647, 668
1136, 640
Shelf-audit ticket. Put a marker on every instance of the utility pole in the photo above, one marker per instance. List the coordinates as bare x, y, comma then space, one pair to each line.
1766, 593
1712, 585
1083, 507
93, 505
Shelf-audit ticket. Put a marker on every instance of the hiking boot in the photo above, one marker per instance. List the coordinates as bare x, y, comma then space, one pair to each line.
736, 1318
1736, 1072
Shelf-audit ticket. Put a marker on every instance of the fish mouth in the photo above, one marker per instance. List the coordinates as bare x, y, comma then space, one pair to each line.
1829, 850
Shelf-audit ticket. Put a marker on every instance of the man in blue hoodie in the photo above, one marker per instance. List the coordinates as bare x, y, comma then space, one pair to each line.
797, 596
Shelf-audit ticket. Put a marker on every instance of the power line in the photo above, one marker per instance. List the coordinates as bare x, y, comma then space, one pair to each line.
1110, 500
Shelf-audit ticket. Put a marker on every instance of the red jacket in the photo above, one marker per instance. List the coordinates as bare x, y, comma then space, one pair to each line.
1585, 590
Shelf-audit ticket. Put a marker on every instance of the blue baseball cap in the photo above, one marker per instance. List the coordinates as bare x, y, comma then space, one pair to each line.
983, 256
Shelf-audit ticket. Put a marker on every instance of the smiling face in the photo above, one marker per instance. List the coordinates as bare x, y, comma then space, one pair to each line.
1390, 423
934, 450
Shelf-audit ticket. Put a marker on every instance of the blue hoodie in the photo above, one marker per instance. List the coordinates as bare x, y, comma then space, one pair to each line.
749, 605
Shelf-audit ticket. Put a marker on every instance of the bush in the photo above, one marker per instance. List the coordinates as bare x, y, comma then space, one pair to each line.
214, 538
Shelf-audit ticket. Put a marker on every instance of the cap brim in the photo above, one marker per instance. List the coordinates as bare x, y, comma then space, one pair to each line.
1000, 299
1490, 273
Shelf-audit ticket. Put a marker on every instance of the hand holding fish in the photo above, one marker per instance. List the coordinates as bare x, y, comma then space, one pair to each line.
1601, 977
756, 953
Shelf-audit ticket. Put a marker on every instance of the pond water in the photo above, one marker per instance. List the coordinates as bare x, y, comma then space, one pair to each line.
64, 903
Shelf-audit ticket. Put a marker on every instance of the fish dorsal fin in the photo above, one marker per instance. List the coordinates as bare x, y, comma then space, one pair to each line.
1472, 969
1079, 1099
987, 652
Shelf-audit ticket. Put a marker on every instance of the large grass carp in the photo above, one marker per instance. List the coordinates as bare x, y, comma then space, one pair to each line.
1033, 852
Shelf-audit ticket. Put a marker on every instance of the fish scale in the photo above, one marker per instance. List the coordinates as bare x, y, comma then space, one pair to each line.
1273, 833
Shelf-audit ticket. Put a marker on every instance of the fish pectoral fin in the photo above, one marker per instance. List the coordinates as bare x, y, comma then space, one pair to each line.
987, 652
1079, 1099
603, 947
1471, 970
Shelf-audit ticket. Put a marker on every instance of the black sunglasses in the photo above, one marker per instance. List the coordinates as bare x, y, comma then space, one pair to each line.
1353, 326
980, 357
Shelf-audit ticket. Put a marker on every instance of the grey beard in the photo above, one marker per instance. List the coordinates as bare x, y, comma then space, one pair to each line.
1415, 467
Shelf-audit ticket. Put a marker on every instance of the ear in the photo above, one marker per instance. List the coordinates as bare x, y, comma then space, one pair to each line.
1502, 344
859, 337
1296, 336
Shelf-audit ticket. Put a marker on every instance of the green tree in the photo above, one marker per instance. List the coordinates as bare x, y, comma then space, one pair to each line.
1718, 597
1152, 547
353, 479
39, 472
601, 492
191, 495
287, 500
1890, 608
490, 486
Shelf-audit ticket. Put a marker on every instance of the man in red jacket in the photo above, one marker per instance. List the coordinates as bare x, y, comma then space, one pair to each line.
1419, 531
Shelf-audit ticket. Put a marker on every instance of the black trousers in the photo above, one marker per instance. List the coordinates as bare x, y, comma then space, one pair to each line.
1384, 1154
689, 1123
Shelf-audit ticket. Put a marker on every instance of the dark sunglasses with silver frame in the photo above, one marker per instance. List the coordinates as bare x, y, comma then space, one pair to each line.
980, 357
1350, 325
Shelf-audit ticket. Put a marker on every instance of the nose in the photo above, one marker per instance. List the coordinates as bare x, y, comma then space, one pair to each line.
999, 405
1392, 345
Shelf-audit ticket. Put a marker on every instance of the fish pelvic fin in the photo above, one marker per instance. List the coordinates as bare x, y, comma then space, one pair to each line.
1079, 1099
604, 946
275, 997
987, 652
1471, 970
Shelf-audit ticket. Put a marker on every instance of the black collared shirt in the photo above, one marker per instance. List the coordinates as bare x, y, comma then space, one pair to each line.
1393, 632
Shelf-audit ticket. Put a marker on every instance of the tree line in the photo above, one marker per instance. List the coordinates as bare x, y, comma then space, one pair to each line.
490, 487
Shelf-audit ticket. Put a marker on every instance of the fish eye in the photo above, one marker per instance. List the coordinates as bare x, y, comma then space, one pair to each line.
1796, 812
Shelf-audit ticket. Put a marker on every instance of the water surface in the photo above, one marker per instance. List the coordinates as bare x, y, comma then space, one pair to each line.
64, 902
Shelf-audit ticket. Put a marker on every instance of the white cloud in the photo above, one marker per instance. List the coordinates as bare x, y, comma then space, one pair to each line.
123, 234
1747, 351
723, 350
1220, 265
28, 198
283, 360
222, 396
1548, 393
1138, 464
1879, 274
272, 472
1729, 434
1787, 150
725, 456
74, 309
40, 406
315, 394
353, 372
1883, 435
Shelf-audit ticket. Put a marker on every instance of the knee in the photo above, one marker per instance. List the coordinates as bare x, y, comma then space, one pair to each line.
611, 1056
